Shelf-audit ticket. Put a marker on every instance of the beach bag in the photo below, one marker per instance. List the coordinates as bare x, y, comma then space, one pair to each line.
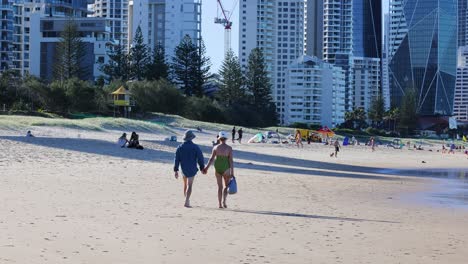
232, 186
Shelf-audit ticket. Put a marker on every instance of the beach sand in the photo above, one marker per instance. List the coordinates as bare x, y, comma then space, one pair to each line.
74, 196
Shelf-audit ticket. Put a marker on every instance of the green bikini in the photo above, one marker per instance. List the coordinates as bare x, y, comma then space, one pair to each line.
221, 164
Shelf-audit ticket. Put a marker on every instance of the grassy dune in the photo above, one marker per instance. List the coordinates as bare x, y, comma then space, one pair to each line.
94, 124
159, 123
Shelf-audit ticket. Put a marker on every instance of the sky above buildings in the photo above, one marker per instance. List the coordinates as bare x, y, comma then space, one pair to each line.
213, 34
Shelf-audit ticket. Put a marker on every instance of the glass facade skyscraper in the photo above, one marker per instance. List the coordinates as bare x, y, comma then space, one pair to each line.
367, 52
423, 53
367, 28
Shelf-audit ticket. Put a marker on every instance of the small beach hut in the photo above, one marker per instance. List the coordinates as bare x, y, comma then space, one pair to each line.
122, 102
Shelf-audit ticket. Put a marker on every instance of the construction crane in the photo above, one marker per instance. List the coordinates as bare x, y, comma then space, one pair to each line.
225, 19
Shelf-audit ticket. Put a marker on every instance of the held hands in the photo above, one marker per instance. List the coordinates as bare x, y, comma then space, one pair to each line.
205, 171
176, 174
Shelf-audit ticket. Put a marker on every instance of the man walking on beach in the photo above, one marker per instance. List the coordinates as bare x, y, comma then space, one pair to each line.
187, 156
239, 132
233, 134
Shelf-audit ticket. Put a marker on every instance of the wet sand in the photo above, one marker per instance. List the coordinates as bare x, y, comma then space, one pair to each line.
72, 196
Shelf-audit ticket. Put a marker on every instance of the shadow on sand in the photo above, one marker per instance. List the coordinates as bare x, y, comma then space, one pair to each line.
151, 153
308, 216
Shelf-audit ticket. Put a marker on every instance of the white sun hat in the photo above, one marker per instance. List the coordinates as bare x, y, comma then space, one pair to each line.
223, 134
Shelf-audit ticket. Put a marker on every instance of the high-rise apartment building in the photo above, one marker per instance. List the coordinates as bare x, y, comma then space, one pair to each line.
462, 22
314, 28
165, 22
116, 12
315, 94
45, 34
423, 53
338, 40
460, 108
277, 28
385, 80
367, 52
6, 35
26, 49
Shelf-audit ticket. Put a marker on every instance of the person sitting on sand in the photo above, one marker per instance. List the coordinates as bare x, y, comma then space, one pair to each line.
224, 167
134, 141
122, 140
216, 142
187, 156
29, 134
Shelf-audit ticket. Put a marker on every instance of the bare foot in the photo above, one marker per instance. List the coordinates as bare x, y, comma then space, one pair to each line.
224, 205
187, 205
220, 207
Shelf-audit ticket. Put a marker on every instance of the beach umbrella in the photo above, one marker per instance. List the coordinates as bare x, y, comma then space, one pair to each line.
325, 131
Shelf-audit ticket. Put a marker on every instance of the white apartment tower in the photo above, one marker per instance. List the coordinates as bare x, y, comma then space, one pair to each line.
116, 11
385, 80
165, 22
27, 14
338, 40
316, 93
460, 107
277, 28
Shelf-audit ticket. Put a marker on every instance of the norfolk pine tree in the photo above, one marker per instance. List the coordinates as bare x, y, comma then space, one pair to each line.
158, 68
69, 55
138, 56
231, 88
118, 67
259, 87
201, 69
257, 81
190, 66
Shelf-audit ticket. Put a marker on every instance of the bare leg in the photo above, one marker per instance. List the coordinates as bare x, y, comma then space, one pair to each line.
189, 191
226, 177
219, 180
185, 186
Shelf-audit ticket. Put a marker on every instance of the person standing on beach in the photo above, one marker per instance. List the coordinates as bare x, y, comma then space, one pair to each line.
372, 143
240, 132
233, 134
224, 167
298, 138
187, 156
337, 148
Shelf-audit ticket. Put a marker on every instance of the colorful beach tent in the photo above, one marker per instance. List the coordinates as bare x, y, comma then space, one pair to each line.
325, 131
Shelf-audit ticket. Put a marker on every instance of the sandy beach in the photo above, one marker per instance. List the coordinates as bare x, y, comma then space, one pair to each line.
74, 196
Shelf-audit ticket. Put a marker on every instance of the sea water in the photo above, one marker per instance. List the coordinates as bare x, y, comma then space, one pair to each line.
450, 188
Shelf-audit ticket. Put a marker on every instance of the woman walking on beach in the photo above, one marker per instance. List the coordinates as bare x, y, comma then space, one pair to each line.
224, 167
298, 138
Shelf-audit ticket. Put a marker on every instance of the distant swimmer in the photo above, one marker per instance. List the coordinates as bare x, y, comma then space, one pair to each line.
224, 167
